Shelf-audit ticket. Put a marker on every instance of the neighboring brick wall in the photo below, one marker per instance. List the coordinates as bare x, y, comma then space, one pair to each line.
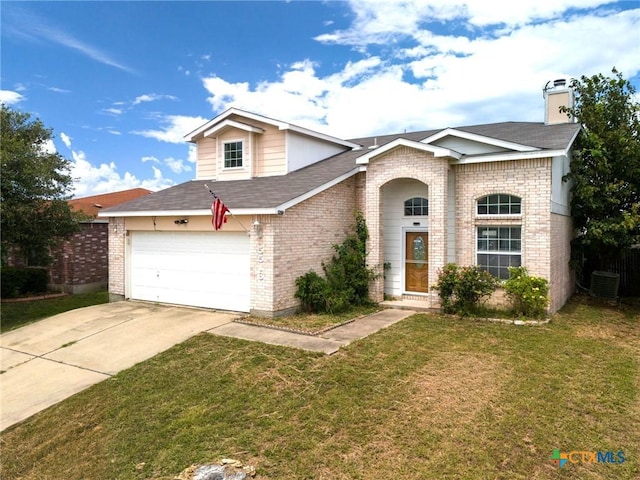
81, 263
117, 241
406, 162
562, 281
297, 242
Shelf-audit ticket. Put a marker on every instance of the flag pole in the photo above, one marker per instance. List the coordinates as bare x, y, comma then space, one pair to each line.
236, 218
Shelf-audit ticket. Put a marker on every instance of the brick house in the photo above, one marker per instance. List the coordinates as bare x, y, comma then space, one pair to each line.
81, 263
489, 195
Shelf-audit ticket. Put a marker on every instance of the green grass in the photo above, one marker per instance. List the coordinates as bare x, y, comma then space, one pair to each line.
431, 397
17, 314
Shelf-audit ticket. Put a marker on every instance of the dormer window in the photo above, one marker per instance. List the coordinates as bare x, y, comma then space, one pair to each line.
416, 207
500, 204
232, 154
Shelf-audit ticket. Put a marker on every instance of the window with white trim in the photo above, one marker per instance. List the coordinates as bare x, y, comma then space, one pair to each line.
500, 204
416, 206
498, 248
232, 154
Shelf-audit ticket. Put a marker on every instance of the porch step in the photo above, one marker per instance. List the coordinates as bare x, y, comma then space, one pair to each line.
413, 303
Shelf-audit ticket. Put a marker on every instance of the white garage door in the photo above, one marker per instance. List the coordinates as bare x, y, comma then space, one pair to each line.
203, 269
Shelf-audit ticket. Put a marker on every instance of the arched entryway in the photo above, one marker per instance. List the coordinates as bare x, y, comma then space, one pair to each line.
405, 221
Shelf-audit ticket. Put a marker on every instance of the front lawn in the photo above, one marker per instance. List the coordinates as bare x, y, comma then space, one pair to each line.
17, 314
431, 397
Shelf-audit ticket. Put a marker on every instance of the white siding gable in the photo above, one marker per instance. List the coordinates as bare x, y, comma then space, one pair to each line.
467, 147
303, 150
560, 190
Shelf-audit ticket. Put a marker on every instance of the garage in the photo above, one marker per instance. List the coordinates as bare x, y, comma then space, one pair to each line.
203, 269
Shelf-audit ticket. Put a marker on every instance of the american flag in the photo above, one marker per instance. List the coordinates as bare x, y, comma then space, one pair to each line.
218, 210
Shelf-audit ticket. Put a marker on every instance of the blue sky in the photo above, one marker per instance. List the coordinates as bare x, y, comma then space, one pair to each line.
120, 83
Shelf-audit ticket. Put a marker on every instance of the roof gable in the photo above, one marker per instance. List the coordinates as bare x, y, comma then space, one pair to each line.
403, 142
469, 143
237, 114
228, 123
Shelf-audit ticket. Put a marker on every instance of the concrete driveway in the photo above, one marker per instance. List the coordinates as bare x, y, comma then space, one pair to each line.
50, 360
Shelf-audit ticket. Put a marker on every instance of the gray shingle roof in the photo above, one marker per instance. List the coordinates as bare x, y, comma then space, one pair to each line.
539, 135
254, 193
272, 192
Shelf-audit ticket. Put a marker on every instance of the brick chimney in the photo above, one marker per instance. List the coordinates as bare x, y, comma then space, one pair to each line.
557, 93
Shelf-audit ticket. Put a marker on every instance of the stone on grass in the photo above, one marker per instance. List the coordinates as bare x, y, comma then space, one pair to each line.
227, 469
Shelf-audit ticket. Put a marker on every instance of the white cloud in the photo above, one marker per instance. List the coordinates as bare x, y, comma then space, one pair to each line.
152, 98
105, 178
193, 153
26, 24
58, 90
113, 111
425, 77
177, 165
9, 97
175, 128
48, 147
66, 139
382, 22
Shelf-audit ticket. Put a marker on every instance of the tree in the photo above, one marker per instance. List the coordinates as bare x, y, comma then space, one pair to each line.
605, 169
35, 215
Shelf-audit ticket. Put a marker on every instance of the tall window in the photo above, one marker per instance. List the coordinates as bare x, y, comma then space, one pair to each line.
416, 206
500, 204
499, 247
232, 154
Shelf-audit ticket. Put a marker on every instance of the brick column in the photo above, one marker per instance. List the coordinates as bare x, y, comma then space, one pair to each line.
375, 257
117, 239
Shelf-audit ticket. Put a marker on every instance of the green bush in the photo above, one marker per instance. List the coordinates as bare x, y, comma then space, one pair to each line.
312, 290
462, 288
347, 277
17, 281
446, 286
529, 295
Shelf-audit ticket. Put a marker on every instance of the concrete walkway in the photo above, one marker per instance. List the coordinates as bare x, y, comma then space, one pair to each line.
328, 342
47, 361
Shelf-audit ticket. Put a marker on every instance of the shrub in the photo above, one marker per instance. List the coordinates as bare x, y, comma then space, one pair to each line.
447, 281
312, 290
18, 281
529, 295
347, 276
462, 288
